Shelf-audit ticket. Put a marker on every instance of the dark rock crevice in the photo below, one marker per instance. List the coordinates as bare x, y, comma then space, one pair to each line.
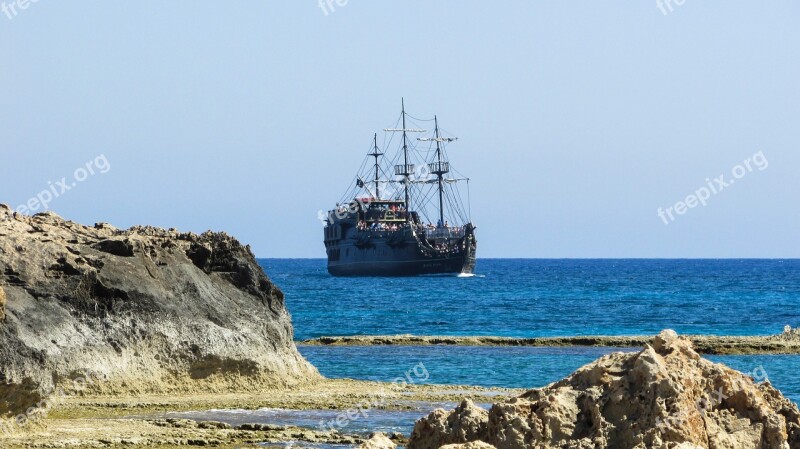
116, 247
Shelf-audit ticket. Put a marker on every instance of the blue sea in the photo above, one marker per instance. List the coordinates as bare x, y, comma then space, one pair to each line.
533, 298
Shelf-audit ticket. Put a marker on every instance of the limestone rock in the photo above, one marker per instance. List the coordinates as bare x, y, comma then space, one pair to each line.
378, 440
2, 304
790, 332
471, 445
139, 310
663, 397
466, 423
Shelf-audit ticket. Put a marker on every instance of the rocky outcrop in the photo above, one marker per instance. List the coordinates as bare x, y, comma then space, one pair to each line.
664, 397
377, 440
467, 422
141, 310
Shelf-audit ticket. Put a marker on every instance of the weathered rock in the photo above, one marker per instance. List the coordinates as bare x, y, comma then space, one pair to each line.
377, 440
213, 425
664, 397
136, 311
471, 445
116, 247
2, 304
787, 342
466, 423
789, 332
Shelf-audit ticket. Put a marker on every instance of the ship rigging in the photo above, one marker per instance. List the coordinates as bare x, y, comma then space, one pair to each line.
404, 214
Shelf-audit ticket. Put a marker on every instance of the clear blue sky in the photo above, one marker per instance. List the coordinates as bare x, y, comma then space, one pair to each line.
577, 120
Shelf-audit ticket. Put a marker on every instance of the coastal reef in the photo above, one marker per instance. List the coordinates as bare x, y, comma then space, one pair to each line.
97, 310
787, 342
665, 396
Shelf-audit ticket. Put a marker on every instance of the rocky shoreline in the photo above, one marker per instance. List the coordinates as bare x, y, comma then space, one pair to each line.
104, 331
129, 421
145, 310
664, 397
786, 343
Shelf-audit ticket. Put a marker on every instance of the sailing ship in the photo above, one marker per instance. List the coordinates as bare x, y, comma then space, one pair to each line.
404, 215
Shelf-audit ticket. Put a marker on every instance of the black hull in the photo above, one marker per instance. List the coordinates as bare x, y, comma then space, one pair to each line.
351, 257
447, 265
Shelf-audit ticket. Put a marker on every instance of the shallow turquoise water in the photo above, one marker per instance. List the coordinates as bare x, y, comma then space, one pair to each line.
368, 421
486, 366
513, 367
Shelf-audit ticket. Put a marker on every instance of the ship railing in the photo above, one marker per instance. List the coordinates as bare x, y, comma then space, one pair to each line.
444, 233
381, 231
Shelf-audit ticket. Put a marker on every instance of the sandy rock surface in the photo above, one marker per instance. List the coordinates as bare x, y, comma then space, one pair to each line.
470, 445
378, 440
102, 310
91, 421
665, 396
467, 422
2, 304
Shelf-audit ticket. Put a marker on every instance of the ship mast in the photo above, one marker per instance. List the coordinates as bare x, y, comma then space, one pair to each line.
406, 169
439, 173
405, 156
440, 167
376, 154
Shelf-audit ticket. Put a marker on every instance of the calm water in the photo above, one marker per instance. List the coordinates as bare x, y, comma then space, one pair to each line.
370, 421
513, 367
528, 298
504, 367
